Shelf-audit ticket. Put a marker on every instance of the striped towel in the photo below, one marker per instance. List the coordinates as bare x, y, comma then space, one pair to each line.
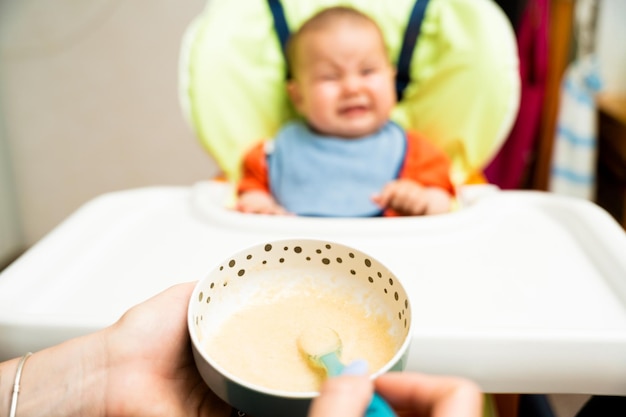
574, 154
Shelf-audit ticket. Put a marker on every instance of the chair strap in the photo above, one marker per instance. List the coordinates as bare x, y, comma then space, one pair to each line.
412, 32
280, 27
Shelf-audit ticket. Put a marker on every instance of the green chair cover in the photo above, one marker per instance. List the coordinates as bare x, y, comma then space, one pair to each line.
463, 94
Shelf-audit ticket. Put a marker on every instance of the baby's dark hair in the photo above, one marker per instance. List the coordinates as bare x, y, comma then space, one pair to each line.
321, 20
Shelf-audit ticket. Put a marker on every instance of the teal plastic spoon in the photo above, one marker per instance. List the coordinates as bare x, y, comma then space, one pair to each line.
322, 346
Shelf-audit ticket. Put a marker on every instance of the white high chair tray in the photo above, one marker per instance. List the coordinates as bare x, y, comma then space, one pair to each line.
521, 291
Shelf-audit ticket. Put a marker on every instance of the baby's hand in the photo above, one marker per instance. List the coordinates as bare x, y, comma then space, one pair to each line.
409, 198
259, 202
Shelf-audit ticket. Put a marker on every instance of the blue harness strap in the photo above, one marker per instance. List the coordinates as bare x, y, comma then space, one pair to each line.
280, 27
412, 32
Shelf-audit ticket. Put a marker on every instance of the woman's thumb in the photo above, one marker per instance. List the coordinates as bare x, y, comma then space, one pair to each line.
343, 396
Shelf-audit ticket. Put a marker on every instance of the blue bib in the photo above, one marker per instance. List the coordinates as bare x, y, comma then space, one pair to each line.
314, 175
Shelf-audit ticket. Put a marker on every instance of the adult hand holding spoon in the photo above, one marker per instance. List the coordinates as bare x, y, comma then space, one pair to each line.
322, 346
411, 395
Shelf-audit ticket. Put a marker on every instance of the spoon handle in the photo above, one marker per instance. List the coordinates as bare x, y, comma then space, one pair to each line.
379, 408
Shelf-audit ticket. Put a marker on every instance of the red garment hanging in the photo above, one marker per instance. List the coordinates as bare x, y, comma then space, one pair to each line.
509, 166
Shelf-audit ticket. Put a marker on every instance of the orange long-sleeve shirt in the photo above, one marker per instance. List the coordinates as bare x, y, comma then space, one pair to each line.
424, 163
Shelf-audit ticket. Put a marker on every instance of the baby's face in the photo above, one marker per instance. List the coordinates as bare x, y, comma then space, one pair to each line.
344, 83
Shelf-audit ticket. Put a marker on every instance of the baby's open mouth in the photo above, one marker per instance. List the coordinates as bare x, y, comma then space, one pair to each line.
353, 110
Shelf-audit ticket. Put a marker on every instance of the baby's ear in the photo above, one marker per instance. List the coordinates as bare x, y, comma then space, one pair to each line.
293, 90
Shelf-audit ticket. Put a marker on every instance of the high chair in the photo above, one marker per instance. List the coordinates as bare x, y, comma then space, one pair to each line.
523, 292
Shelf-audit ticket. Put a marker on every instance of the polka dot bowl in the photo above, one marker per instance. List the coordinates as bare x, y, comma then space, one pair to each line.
276, 269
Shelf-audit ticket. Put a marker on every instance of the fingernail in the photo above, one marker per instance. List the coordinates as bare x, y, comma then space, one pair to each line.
356, 368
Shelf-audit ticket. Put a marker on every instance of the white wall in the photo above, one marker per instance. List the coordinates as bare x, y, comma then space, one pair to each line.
89, 96
11, 241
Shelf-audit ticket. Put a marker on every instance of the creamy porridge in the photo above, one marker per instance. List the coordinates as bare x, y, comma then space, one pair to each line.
259, 343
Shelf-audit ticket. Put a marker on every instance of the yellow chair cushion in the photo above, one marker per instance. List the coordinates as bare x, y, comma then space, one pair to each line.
463, 94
